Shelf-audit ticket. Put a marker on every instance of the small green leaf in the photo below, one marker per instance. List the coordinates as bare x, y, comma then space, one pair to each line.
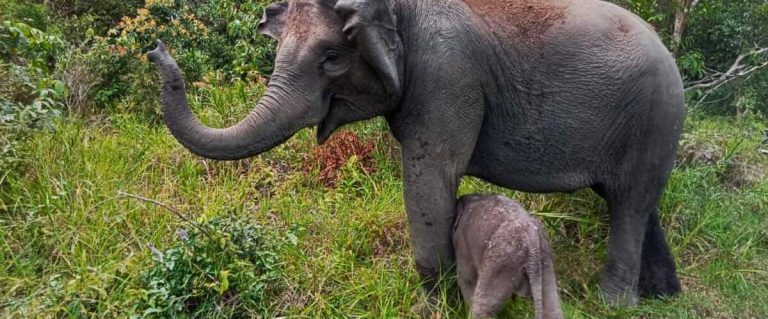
223, 281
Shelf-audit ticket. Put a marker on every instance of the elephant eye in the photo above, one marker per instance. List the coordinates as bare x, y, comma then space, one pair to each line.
332, 57
335, 63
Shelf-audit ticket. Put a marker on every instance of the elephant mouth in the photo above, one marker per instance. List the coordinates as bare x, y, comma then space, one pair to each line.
330, 120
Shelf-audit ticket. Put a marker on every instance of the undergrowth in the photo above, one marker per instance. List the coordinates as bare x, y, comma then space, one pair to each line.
224, 268
68, 246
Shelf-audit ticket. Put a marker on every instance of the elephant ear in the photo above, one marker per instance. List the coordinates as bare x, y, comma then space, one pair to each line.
371, 26
273, 22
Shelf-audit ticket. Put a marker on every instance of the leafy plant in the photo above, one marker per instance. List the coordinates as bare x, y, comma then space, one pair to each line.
29, 94
230, 270
206, 38
24, 45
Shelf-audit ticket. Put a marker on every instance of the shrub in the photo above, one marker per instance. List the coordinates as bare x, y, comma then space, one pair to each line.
231, 270
80, 15
33, 14
215, 36
80, 75
29, 93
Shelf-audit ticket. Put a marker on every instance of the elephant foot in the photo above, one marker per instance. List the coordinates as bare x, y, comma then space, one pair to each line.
658, 277
616, 292
659, 284
618, 298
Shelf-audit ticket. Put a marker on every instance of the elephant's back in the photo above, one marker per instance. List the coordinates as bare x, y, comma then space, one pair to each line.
562, 32
564, 55
557, 100
527, 20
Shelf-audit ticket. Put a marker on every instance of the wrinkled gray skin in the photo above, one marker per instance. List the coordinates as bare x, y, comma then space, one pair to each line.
547, 96
502, 251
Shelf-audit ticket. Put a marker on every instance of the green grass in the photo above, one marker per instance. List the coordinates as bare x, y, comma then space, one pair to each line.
65, 239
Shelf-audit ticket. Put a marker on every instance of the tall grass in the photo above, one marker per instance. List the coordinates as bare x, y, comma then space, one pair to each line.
65, 239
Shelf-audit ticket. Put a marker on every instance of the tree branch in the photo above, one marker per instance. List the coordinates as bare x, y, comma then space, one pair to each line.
736, 70
716, 80
173, 210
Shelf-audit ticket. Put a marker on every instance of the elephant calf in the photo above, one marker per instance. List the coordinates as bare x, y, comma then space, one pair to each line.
502, 251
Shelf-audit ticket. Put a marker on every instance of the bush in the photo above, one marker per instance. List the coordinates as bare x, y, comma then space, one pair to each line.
213, 39
229, 271
719, 31
29, 93
35, 15
78, 16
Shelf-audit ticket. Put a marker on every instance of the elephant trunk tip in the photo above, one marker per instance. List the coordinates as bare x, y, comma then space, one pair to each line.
158, 53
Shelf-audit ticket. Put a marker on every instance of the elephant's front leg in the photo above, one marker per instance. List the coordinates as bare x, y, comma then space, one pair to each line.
430, 197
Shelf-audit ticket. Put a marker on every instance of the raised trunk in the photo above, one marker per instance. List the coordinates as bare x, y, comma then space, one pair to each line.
268, 125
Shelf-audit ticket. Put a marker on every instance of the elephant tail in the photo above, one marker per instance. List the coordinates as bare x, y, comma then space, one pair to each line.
534, 265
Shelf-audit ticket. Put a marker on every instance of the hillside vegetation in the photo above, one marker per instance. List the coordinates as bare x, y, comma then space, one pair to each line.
103, 214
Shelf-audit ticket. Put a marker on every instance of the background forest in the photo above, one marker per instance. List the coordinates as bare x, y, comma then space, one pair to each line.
104, 214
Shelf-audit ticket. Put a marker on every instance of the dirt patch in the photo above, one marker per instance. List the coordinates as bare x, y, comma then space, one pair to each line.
740, 174
390, 238
331, 157
529, 18
698, 152
294, 299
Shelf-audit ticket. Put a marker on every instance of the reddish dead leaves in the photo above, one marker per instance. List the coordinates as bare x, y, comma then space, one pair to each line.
332, 156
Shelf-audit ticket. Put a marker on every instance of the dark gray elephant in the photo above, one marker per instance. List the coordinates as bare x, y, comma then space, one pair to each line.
534, 95
503, 251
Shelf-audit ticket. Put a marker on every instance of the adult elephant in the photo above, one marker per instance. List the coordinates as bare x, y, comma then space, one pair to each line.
533, 95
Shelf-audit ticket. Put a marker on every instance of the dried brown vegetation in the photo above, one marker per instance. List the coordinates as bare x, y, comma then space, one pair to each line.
331, 157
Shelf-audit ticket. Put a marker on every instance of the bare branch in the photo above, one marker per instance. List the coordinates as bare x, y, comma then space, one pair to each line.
717, 79
173, 210
724, 77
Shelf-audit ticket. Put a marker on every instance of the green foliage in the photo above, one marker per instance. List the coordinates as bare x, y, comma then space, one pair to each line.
67, 249
77, 16
719, 31
724, 29
29, 12
212, 39
691, 64
29, 93
24, 45
231, 270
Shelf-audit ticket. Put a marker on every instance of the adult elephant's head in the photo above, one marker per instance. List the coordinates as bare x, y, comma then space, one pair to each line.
337, 62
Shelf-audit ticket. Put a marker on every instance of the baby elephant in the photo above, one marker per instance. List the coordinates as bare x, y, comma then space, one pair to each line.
502, 251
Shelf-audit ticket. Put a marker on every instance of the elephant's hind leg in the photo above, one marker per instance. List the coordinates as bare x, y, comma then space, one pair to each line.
628, 217
494, 287
633, 189
635, 238
501, 276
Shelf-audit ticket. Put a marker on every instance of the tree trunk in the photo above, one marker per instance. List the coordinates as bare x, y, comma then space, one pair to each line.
683, 9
